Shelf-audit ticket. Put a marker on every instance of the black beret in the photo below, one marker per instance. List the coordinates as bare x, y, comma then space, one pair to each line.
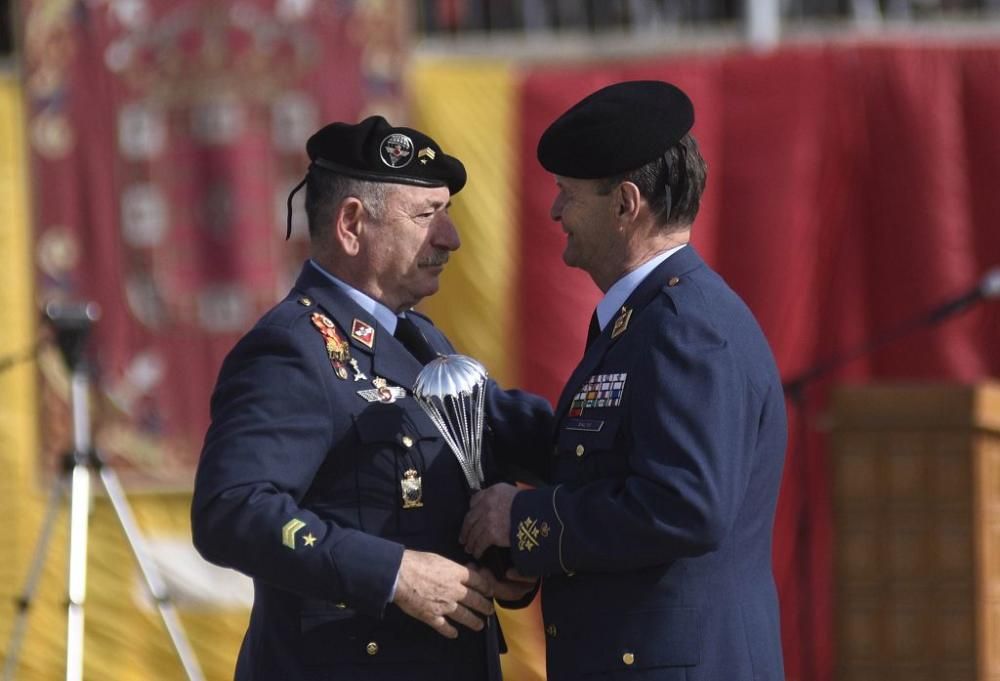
374, 150
616, 129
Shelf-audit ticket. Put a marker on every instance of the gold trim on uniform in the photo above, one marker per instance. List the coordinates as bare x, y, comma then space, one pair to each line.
562, 527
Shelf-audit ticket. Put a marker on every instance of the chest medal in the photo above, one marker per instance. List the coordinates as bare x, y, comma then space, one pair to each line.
412, 488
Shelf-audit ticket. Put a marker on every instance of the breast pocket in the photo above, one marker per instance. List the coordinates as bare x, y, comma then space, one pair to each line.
588, 449
391, 468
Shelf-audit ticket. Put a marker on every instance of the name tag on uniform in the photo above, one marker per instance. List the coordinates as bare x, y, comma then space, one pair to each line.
591, 425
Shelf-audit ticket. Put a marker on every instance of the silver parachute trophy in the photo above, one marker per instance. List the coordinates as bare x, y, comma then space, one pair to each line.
451, 389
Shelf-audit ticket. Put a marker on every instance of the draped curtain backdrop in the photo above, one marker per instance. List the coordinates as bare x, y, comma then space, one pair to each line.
850, 188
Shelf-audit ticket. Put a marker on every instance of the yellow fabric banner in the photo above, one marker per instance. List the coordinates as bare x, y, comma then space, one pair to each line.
124, 638
469, 108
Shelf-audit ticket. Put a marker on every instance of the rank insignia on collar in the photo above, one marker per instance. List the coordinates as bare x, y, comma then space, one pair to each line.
336, 347
621, 322
363, 333
412, 488
383, 392
528, 532
600, 390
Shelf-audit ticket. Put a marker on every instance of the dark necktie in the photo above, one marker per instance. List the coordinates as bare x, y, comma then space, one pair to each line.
594, 330
413, 340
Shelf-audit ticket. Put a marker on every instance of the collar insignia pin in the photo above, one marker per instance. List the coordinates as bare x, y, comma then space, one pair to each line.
363, 333
621, 322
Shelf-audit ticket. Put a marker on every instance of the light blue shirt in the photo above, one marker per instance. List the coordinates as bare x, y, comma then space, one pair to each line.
619, 292
386, 317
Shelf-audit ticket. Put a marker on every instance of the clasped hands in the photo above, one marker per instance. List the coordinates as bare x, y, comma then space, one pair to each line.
439, 592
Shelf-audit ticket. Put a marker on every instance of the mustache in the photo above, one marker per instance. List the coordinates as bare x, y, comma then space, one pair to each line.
436, 259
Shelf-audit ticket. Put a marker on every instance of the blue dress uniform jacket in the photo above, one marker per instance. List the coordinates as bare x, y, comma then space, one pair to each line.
655, 538
300, 487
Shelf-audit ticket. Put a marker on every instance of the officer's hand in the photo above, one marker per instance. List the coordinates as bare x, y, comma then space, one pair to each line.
488, 521
432, 588
514, 587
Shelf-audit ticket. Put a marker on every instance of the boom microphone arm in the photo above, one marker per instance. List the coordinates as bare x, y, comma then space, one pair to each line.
988, 288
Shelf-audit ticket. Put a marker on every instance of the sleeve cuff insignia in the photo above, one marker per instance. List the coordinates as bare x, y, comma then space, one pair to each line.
530, 533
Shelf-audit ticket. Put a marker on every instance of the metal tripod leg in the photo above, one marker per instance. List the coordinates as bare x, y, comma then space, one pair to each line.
27, 598
81, 461
79, 516
154, 581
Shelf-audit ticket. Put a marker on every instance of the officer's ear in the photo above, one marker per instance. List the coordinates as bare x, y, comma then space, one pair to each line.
347, 225
628, 199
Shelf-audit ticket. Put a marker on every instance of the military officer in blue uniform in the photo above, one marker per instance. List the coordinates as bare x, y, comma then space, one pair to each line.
654, 535
320, 476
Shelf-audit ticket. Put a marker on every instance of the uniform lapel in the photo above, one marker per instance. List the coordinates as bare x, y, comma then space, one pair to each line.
679, 263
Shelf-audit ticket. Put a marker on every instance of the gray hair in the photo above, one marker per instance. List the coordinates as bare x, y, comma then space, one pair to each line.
325, 191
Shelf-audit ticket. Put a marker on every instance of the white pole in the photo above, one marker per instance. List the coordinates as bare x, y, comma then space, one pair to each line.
763, 23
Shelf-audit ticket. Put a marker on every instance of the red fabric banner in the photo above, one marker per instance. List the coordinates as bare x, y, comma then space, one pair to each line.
849, 190
166, 135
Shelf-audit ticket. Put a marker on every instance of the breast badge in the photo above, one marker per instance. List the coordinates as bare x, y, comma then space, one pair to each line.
413, 490
336, 347
382, 392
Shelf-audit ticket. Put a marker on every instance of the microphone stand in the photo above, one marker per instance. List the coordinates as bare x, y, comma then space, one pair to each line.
72, 325
795, 392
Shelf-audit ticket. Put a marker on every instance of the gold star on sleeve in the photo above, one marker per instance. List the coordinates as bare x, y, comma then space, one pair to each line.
309, 539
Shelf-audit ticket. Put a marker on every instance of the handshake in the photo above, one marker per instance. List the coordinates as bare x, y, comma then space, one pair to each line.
439, 592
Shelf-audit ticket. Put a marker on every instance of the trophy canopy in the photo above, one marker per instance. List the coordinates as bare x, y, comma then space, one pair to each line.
451, 390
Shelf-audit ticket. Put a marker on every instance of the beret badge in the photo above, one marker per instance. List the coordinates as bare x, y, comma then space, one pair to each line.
375, 151
396, 150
